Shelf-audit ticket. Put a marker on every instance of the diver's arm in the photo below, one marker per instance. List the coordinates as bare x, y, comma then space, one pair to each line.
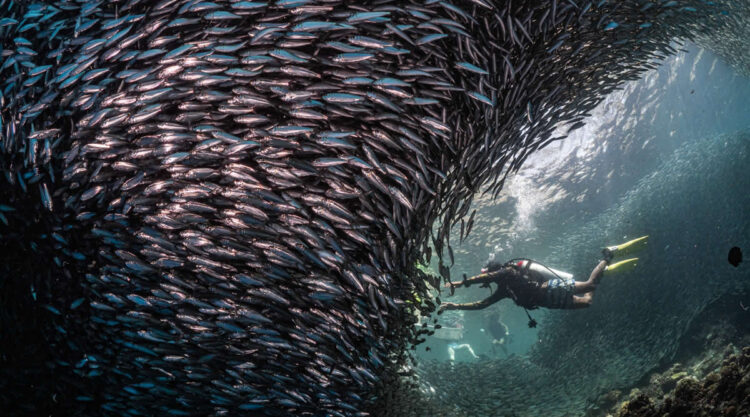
477, 279
477, 305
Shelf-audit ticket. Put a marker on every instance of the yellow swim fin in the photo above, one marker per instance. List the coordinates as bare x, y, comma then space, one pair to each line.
622, 266
625, 248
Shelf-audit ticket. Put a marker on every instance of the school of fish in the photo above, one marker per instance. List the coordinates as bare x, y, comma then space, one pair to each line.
215, 207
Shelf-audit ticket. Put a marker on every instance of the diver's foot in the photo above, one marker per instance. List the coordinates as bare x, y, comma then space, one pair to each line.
626, 248
622, 266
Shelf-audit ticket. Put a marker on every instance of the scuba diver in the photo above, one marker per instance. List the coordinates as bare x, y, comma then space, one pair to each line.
453, 347
532, 285
498, 332
453, 332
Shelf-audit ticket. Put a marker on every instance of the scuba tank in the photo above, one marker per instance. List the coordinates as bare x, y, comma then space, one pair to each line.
539, 271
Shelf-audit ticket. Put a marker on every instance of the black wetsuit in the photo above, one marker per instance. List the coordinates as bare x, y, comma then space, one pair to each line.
512, 282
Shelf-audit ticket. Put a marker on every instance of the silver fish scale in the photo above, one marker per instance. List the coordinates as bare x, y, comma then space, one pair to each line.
234, 180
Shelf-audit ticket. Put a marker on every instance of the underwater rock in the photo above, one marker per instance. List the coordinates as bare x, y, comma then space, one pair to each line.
605, 402
699, 359
666, 381
726, 393
214, 208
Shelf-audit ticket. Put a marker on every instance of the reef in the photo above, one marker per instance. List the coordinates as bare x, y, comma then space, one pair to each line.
722, 393
704, 376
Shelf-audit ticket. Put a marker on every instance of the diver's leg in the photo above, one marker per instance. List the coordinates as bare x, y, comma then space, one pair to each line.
451, 353
584, 287
583, 301
559, 293
468, 347
590, 285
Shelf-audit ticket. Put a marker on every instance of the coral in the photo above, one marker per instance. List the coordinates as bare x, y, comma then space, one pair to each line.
723, 393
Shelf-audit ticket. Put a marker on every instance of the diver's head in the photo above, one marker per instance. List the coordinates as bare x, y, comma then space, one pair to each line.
492, 266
